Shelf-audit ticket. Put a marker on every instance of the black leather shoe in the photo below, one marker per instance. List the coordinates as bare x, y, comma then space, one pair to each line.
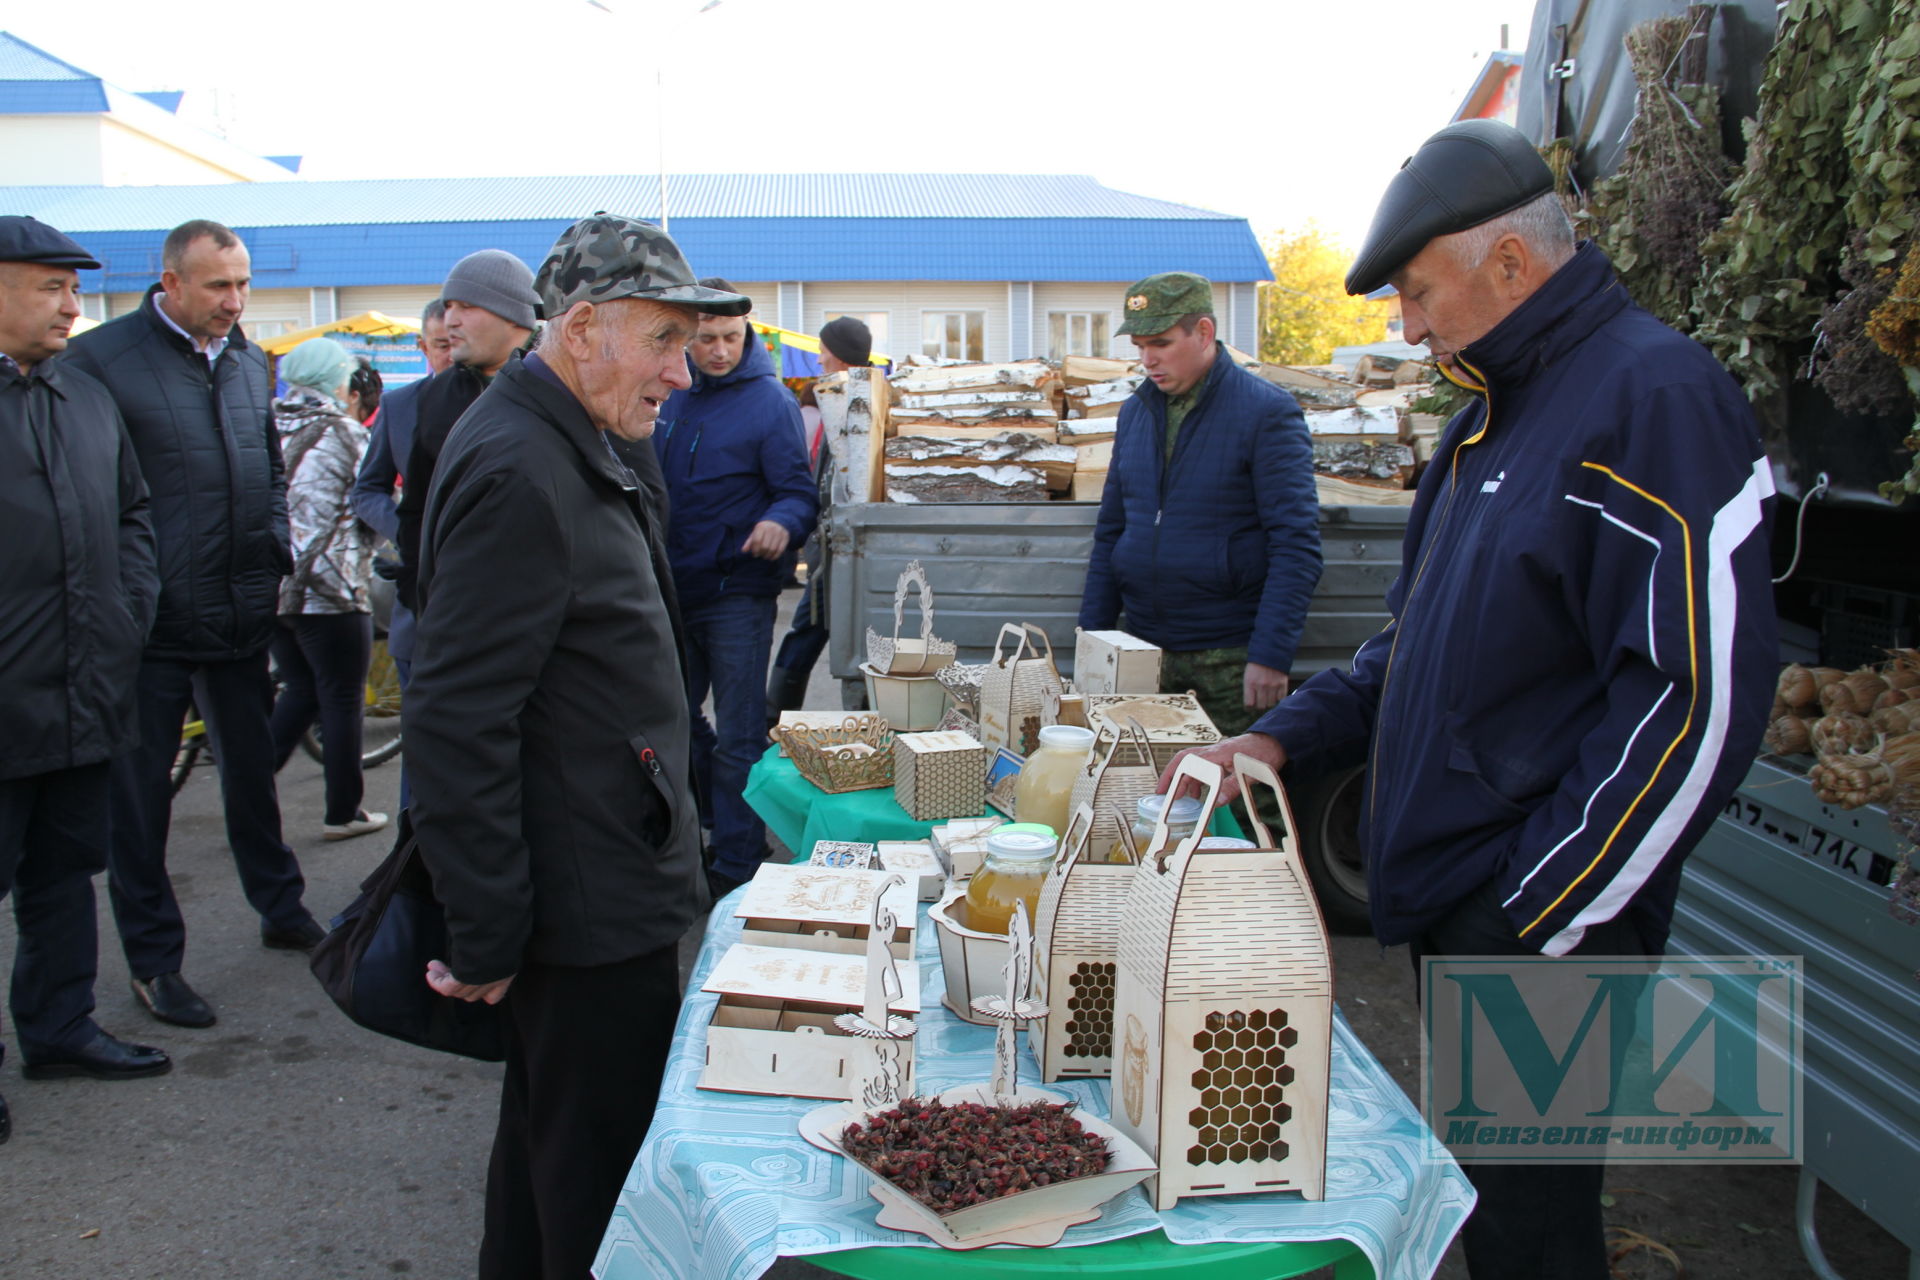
103, 1058
6, 1121
168, 998
302, 937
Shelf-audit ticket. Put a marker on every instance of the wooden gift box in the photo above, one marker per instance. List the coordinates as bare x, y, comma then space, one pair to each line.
1074, 941
917, 861
1013, 692
1223, 1014
962, 844
1173, 721
1114, 662
773, 1032
939, 775
811, 908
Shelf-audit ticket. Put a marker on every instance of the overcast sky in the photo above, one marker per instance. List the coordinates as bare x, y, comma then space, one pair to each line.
1276, 110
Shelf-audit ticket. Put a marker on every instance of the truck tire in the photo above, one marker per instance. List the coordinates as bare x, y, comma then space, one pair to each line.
1327, 809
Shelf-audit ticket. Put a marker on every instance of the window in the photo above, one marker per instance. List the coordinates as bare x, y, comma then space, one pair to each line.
876, 322
1077, 333
954, 335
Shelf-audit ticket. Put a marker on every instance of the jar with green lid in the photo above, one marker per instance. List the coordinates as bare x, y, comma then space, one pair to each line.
1181, 820
1019, 856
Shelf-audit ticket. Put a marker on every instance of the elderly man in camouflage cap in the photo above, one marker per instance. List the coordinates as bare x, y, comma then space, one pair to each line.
1208, 540
547, 732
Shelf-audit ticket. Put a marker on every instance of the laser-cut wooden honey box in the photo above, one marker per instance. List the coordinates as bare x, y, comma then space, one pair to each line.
773, 1030
939, 775
812, 908
1223, 1013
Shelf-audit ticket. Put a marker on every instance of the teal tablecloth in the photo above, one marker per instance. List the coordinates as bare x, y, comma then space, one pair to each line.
725, 1184
800, 814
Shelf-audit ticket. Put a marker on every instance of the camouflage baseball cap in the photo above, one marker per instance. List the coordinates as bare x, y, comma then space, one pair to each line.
1156, 302
607, 256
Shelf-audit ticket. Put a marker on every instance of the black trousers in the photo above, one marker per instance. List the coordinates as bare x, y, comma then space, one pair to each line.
585, 1050
1531, 1221
234, 698
53, 838
322, 659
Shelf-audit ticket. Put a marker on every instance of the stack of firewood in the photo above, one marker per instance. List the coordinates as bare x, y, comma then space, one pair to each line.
1862, 727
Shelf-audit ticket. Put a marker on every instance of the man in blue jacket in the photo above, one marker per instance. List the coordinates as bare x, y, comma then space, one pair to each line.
739, 495
1208, 540
1582, 648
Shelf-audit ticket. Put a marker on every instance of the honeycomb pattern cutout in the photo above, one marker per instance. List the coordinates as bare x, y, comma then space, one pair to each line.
1242, 1081
1090, 1010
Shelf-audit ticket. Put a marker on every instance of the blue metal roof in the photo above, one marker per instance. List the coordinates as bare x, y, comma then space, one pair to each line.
34, 82
804, 227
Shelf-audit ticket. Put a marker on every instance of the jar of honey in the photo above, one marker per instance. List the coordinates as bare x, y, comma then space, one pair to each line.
1019, 856
1044, 793
1181, 820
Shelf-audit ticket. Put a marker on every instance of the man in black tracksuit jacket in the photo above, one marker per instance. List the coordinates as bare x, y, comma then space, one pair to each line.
1582, 648
195, 395
76, 597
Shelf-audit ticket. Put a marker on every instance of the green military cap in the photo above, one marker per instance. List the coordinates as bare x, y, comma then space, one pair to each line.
1156, 302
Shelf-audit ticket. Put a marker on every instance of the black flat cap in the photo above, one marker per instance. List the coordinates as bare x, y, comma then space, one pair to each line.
24, 239
1466, 174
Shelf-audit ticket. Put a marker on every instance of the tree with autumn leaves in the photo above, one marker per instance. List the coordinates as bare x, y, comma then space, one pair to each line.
1305, 311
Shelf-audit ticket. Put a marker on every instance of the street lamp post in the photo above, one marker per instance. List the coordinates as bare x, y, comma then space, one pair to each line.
660, 93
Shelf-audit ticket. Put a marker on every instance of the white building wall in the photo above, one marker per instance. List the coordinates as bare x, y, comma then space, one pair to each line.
129, 158
401, 301
1101, 296
904, 301
275, 311
61, 150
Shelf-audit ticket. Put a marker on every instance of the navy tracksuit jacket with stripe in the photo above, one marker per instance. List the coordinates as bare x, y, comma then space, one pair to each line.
1582, 650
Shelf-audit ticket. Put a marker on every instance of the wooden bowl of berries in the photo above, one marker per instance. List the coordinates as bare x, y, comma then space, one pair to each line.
967, 1170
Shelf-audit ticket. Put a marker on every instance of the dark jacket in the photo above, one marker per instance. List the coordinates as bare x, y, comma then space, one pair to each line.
441, 402
211, 457
77, 581
733, 455
1582, 650
388, 442
547, 728
1221, 546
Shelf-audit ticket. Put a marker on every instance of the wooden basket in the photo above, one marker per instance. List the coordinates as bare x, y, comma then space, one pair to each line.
1113, 787
1074, 940
962, 683
893, 656
1223, 1011
1013, 692
814, 756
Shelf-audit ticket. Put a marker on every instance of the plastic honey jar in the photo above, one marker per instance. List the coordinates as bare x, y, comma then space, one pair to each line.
1184, 817
1018, 858
1044, 793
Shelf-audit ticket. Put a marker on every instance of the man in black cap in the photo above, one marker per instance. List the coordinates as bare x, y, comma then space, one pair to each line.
547, 727
77, 588
197, 400
1582, 647
845, 343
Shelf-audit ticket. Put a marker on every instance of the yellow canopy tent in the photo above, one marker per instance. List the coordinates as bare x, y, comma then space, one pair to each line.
373, 324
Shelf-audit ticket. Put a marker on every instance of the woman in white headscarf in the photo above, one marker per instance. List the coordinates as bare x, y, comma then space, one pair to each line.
325, 638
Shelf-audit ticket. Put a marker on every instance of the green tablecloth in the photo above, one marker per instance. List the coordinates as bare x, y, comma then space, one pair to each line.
800, 814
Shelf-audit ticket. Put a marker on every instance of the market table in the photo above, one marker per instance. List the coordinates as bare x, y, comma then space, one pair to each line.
724, 1183
799, 814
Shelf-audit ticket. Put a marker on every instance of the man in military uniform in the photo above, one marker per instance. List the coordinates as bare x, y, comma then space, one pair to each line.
1208, 540
77, 589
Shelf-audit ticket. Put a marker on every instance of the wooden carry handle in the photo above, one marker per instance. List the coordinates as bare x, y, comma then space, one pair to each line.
1019, 632
1210, 776
1251, 770
913, 576
1074, 843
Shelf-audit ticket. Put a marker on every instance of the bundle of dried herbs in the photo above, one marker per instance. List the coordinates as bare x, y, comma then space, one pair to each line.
1670, 189
952, 1156
1853, 368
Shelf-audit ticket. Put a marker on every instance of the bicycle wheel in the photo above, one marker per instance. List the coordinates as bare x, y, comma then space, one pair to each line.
383, 704
193, 745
